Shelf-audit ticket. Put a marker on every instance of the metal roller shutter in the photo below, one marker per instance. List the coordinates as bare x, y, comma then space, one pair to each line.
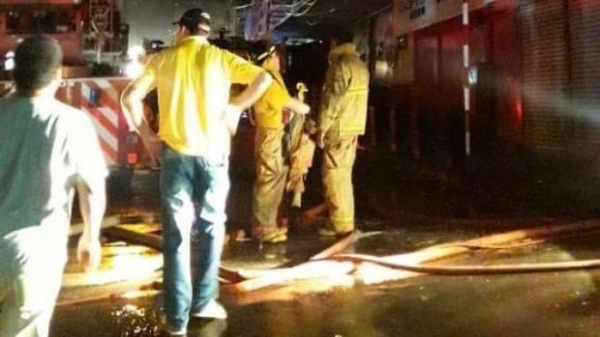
584, 31
546, 118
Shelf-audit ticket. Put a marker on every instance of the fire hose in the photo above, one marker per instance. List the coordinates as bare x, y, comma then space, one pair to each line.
472, 270
493, 242
332, 261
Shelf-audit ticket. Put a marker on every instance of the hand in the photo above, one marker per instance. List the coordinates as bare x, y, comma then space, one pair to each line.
89, 252
320, 139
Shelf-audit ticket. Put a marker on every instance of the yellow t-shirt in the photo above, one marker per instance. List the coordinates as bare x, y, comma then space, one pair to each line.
193, 81
268, 110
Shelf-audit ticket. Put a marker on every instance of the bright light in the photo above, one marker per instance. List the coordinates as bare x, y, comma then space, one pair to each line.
135, 66
139, 293
136, 52
473, 75
9, 63
116, 269
133, 69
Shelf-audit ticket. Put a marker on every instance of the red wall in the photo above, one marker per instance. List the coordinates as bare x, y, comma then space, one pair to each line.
494, 50
506, 57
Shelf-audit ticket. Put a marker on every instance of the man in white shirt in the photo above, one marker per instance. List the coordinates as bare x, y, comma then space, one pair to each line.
47, 151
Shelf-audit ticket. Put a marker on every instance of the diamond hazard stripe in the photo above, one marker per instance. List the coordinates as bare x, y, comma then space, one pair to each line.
109, 153
104, 110
106, 119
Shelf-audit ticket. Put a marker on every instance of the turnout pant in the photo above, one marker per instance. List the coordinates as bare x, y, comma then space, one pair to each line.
271, 177
338, 160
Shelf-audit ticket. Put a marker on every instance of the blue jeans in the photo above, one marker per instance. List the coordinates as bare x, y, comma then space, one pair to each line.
193, 194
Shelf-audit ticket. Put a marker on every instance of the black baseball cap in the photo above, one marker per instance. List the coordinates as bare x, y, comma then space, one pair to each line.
260, 50
193, 17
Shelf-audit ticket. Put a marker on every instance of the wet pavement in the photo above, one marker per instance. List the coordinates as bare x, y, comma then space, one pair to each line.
402, 206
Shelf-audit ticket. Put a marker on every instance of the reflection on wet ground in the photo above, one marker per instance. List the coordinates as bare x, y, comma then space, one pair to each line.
402, 207
552, 304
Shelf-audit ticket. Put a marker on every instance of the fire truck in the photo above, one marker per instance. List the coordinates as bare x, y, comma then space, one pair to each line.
94, 43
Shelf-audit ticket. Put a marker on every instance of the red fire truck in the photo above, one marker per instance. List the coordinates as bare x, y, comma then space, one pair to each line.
94, 43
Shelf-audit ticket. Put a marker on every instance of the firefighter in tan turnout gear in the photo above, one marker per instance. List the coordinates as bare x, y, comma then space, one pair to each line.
271, 115
342, 118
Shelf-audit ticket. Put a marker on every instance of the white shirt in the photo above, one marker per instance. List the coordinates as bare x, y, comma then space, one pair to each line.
45, 147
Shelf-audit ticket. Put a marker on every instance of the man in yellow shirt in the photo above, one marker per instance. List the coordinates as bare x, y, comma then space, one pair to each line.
342, 118
197, 119
270, 114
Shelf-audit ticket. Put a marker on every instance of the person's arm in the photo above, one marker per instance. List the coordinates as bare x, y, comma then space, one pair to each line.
334, 88
297, 106
87, 176
245, 99
92, 205
133, 110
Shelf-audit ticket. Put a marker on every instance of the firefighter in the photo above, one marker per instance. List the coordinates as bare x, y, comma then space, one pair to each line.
342, 118
271, 115
197, 119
